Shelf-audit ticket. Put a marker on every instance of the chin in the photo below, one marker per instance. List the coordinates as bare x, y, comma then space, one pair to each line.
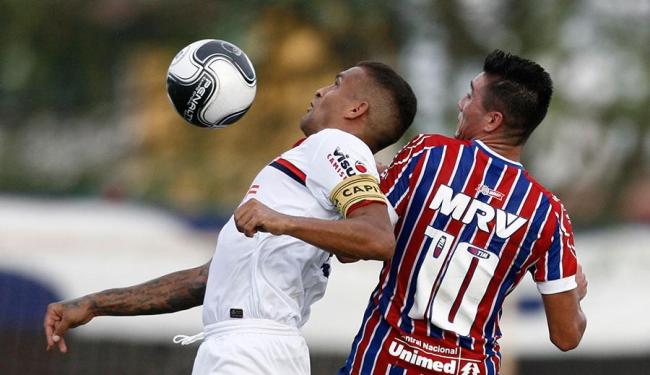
304, 126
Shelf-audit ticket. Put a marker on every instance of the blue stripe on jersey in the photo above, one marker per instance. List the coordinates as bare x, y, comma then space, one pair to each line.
355, 344
457, 183
525, 249
496, 246
401, 185
407, 323
539, 218
494, 171
489, 366
396, 370
553, 266
516, 198
288, 172
410, 220
374, 347
429, 172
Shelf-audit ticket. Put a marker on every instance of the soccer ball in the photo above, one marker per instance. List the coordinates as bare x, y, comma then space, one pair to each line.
211, 83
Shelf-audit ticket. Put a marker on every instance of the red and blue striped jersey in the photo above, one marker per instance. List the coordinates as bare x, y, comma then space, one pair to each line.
471, 224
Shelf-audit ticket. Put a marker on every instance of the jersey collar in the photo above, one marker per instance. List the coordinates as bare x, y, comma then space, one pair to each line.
488, 150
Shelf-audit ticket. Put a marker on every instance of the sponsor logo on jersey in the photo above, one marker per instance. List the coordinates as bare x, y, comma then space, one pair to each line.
440, 245
470, 368
422, 359
479, 253
360, 167
341, 163
435, 358
467, 209
486, 190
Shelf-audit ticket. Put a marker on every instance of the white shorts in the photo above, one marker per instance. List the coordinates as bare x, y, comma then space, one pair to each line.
252, 346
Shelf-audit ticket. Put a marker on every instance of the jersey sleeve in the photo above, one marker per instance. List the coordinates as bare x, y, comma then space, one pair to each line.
341, 172
555, 270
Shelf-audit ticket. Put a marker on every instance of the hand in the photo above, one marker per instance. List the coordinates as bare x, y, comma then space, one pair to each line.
344, 259
581, 280
381, 167
61, 316
253, 216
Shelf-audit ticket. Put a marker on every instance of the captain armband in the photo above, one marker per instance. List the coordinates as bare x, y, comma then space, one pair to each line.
354, 189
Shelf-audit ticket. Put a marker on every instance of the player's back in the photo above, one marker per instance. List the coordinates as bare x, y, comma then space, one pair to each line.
471, 224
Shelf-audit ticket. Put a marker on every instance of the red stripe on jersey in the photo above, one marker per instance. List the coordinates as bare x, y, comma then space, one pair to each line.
481, 238
569, 268
364, 341
395, 173
298, 142
545, 239
463, 288
414, 245
504, 186
508, 254
454, 227
300, 174
541, 245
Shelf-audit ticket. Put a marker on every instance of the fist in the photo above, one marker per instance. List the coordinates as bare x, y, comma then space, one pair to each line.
253, 216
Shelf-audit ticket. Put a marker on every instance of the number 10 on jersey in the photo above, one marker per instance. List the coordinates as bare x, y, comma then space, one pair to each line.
461, 285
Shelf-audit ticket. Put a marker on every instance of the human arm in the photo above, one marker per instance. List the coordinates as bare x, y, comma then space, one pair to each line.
566, 321
366, 232
173, 292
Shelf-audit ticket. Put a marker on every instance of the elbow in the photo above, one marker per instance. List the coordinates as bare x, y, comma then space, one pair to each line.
569, 339
565, 344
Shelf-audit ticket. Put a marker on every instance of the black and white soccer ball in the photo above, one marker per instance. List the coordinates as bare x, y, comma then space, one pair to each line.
211, 83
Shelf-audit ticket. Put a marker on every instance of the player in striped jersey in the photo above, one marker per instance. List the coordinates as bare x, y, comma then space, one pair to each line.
472, 223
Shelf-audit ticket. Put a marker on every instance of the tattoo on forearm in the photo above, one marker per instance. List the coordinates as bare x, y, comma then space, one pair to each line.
173, 292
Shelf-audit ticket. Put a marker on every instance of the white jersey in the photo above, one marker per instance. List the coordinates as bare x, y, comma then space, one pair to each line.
279, 277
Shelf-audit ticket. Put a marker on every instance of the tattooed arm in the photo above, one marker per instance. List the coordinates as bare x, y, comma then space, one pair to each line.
173, 292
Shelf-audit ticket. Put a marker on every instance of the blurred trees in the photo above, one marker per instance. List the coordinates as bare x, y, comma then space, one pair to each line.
85, 110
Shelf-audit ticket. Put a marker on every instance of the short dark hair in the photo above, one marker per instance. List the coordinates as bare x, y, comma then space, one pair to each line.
404, 103
520, 89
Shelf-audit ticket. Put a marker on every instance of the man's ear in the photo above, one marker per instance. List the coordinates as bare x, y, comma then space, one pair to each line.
357, 110
494, 121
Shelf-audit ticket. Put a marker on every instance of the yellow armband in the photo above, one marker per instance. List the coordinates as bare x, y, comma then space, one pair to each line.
356, 189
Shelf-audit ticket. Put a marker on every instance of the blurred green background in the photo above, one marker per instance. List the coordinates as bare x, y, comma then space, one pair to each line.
84, 112
84, 108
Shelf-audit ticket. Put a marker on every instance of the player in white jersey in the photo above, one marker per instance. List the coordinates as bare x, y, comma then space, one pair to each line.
262, 286
268, 267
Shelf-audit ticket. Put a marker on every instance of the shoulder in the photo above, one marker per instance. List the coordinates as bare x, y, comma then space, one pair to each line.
423, 141
556, 204
335, 142
335, 136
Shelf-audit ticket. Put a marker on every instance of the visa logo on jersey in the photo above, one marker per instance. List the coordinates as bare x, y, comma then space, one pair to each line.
465, 208
343, 165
